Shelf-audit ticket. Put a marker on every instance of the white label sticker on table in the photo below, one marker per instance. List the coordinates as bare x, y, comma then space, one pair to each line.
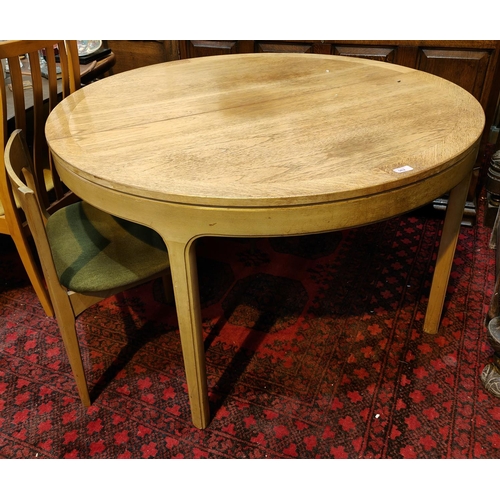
400, 170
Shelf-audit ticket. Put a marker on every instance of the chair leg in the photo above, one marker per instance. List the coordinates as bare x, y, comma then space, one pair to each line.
34, 274
67, 326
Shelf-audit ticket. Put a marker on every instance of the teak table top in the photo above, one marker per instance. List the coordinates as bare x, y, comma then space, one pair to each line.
266, 145
249, 130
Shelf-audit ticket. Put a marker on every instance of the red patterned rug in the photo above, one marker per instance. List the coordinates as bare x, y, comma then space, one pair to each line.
314, 349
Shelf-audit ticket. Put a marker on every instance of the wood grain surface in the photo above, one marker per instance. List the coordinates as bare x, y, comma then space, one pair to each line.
264, 129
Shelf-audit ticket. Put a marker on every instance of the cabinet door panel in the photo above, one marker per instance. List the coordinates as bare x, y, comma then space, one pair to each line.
466, 68
200, 48
131, 54
284, 47
385, 54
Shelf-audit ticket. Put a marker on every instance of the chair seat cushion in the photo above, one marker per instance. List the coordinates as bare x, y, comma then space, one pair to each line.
94, 251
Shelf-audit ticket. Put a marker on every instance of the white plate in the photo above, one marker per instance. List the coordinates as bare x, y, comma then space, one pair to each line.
87, 47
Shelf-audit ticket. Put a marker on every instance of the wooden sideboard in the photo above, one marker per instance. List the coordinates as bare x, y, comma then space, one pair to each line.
472, 64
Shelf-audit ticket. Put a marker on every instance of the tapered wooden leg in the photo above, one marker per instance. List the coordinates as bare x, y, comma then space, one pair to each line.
446, 252
67, 327
182, 258
34, 274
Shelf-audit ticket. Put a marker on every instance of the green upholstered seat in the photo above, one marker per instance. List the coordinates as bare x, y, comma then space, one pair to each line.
95, 251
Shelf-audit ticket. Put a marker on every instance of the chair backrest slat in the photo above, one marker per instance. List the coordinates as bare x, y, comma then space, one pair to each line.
50, 60
17, 87
40, 153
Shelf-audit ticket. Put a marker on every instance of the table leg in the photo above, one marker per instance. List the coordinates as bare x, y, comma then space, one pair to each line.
446, 253
182, 258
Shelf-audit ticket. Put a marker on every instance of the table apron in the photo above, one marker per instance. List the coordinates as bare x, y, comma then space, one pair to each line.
183, 222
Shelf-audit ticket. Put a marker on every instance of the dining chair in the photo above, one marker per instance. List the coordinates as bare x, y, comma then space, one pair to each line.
41, 73
86, 255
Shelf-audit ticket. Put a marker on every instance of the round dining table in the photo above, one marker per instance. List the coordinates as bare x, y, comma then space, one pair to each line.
266, 145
